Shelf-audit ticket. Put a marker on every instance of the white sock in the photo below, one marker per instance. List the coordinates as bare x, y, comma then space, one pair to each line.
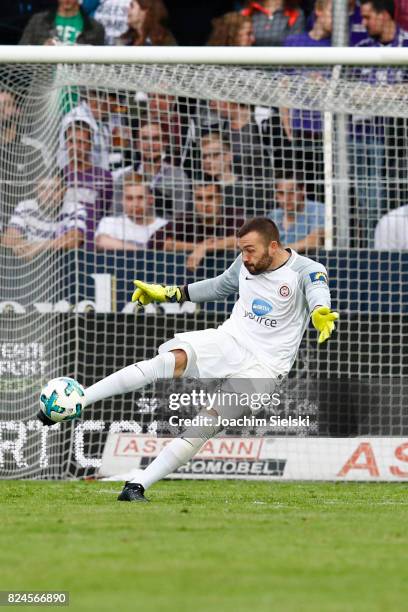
175, 454
132, 377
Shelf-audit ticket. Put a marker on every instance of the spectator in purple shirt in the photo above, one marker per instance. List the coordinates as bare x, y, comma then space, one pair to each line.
320, 33
379, 21
357, 31
304, 128
378, 151
92, 185
51, 221
212, 227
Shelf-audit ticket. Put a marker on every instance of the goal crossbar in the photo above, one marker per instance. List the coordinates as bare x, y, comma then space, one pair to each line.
251, 56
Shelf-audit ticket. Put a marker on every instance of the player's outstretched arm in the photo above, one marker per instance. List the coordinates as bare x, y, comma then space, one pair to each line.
216, 288
323, 319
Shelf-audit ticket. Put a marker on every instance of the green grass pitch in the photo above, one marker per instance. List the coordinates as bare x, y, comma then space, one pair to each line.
209, 546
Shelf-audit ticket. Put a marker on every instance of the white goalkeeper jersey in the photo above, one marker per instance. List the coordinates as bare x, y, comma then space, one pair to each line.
273, 309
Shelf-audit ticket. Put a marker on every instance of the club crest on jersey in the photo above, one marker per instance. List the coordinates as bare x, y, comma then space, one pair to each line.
318, 277
284, 291
261, 307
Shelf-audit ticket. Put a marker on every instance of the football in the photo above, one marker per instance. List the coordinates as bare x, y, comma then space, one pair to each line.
62, 399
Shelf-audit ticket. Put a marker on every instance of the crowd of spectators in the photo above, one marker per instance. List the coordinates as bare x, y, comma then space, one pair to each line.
264, 23
142, 171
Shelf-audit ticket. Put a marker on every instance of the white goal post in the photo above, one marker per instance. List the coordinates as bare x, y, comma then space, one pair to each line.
245, 130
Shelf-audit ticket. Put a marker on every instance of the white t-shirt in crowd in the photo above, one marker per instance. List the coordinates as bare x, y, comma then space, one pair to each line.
123, 228
391, 233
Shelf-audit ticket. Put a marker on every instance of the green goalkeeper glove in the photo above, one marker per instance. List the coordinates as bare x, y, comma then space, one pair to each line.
146, 293
323, 320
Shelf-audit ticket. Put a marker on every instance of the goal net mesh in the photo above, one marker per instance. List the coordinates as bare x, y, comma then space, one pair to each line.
115, 172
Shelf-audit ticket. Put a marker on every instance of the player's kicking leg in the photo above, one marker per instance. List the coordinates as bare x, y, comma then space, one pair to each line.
170, 364
165, 365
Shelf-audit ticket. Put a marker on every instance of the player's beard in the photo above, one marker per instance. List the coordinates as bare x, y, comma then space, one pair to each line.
262, 265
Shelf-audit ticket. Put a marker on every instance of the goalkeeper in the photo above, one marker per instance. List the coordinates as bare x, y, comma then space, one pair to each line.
278, 291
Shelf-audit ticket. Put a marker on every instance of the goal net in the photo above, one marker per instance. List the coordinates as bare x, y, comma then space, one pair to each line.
110, 172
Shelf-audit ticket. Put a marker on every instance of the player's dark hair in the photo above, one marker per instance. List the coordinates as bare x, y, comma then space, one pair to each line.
381, 5
263, 226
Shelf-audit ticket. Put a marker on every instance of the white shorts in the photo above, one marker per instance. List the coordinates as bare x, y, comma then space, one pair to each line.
217, 354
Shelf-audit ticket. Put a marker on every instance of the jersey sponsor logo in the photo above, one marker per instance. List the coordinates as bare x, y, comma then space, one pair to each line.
318, 277
267, 321
284, 291
261, 307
